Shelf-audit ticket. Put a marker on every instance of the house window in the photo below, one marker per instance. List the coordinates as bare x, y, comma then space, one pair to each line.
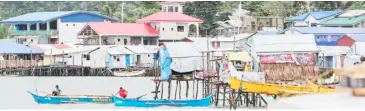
31, 40
145, 42
66, 24
87, 56
163, 29
176, 9
115, 57
125, 41
313, 24
164, 9
180, 28
172, 29
118, 40
148, 55
171, 9
118, 59
73, 24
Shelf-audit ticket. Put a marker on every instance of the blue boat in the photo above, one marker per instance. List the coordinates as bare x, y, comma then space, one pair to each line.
204, 102
72, 99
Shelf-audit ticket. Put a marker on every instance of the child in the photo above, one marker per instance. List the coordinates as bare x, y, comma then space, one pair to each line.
122, 93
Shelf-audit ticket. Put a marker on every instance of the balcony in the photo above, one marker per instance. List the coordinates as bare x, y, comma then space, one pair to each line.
33, 32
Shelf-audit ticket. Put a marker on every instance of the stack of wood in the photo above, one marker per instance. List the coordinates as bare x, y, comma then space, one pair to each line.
288, 72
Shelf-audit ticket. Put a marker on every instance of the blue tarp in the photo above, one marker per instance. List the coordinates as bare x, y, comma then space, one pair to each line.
165, 63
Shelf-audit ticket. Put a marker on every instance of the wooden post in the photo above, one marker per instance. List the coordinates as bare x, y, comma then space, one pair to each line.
162, 90
169, 89
187, 89
177, 83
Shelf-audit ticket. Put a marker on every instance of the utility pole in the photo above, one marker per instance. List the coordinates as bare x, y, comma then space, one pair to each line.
238, 25
308, 6
122, 12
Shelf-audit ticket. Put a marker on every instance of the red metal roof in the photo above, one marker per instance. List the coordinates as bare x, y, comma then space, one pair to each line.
60, 46
168, 17
136, 29
172, 2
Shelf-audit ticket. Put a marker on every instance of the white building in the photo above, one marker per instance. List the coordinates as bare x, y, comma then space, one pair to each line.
171, 23
51, 27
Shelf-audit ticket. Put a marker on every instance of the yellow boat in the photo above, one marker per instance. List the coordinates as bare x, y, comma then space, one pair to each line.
271, 88
277, 89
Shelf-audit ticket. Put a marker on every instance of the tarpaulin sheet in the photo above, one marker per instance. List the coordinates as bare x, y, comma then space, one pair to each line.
240, 56
165, 63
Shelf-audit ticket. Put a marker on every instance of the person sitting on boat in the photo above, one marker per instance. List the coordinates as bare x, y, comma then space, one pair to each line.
57, 92
122, 92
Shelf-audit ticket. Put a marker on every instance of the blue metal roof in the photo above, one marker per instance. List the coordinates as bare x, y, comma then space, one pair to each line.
318, 15
41, 17
7, 46
327, 30
357, 37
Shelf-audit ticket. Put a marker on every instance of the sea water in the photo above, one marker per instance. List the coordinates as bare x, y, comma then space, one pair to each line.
13, 94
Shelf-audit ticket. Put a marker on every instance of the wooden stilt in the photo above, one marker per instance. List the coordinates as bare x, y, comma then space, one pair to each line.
187, 89
169, 89
179, 89
177, 83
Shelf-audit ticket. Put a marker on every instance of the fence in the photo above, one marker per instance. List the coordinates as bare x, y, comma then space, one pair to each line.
19, 63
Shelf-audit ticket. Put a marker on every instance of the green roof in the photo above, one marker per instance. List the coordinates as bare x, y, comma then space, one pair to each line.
343, 21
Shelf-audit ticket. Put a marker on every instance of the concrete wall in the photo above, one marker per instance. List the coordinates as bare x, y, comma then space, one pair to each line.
68, 31
168, 30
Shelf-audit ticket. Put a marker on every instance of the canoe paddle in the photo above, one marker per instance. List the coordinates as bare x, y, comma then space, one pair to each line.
139, 97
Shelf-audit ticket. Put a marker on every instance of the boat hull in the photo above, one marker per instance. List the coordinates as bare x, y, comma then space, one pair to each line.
205, 102
64, 99
274, 89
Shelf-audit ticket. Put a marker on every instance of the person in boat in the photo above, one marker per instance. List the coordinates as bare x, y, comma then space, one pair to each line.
122, 92
57, 92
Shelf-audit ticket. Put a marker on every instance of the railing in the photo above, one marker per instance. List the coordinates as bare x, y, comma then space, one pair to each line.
19, 63
33, 32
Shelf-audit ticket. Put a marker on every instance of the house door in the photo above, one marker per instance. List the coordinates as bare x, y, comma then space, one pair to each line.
110, 61
330, 61
127, 60
138, 59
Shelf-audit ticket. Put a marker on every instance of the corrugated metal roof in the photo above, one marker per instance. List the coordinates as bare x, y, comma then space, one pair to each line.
327, 30
318, 15
357, 37
284, 43
333, 50
352, 13
140, 49
41, 17
231, 39
117, 50
7, 46
60, 46
343, 21
182, 50
122, 29
168, 17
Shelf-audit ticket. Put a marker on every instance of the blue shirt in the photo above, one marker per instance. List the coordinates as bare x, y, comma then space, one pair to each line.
58, 91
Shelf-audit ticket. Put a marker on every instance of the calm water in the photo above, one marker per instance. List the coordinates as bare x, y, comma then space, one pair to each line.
13, 90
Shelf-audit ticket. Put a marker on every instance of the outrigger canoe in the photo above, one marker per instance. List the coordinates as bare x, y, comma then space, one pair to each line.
129, 74
72, 99
204, 102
